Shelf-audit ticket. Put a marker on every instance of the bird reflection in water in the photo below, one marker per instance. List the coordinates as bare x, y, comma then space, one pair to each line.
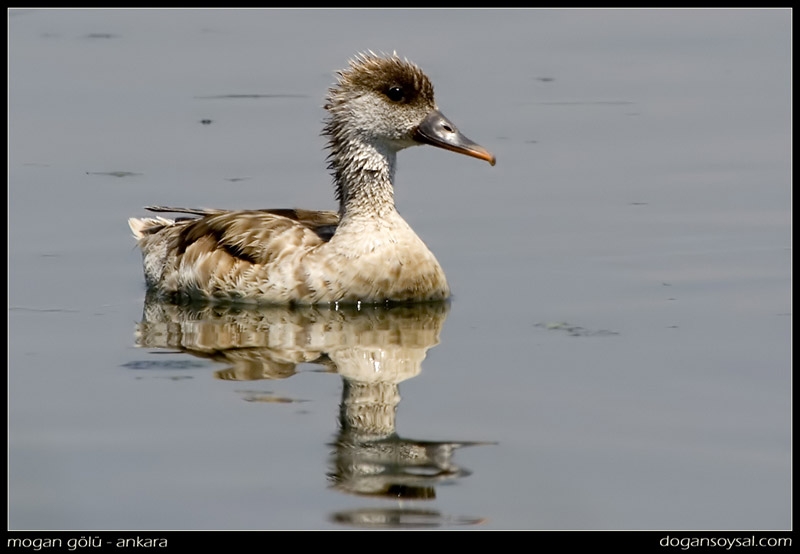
373, 348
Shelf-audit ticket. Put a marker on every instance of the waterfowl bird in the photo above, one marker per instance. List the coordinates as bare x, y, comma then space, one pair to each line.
365, 252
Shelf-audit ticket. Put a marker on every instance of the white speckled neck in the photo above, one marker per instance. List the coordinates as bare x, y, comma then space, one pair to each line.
364, 175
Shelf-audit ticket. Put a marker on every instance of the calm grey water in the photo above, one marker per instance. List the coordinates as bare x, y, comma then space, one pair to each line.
618, 344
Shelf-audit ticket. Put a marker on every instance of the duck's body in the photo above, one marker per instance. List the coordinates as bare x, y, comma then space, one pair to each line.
365, 252
288, 256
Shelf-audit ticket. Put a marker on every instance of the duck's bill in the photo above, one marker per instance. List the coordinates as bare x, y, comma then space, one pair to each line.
437, 130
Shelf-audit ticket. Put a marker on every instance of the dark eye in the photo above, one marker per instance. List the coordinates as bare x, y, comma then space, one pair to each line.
396, 94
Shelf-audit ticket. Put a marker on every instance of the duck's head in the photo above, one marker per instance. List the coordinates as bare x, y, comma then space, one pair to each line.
388, 102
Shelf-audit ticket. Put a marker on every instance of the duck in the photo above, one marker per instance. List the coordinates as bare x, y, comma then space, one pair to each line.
364, 252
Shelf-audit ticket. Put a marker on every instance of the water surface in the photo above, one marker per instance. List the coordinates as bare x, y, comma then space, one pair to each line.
617, 352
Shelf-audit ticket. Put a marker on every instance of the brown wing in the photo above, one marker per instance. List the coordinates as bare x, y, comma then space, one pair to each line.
256, 236
323, 223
